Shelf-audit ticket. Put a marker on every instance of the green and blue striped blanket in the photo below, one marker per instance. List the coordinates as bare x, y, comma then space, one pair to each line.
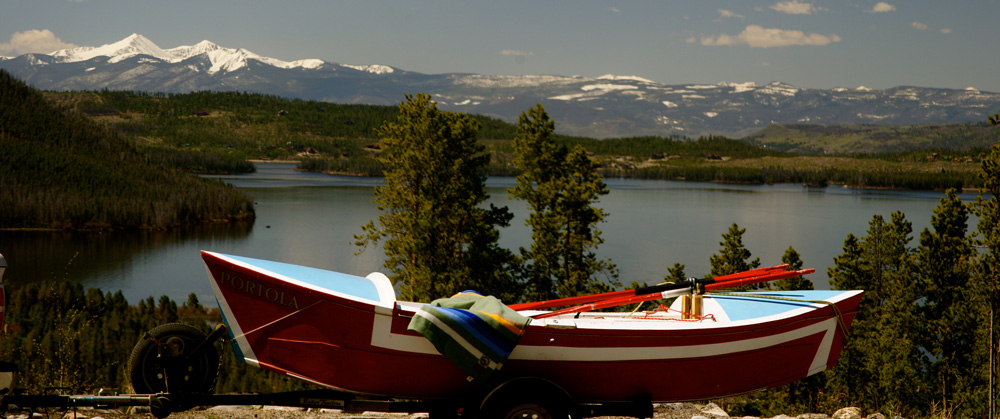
475, 332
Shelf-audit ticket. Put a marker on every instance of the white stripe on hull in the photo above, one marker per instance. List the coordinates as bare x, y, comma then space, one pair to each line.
383, 338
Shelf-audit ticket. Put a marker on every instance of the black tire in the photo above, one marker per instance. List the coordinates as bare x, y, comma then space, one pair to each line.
529, 410
526, 398
162, 361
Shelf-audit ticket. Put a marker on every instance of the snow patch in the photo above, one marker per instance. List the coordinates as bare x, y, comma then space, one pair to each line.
570, 96
741, 87
607, 87
477, 80
632, 78
374, 68
669, 104
873, 116
692, 96
711, 114
777, 88
906, 94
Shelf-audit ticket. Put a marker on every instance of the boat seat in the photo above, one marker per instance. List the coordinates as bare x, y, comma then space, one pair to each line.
386, 293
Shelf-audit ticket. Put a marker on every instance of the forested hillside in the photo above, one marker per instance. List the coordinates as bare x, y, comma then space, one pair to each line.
62, 336
60, 170
875, 139
219, 131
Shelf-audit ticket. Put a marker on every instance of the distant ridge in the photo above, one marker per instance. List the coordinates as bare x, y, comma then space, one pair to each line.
600, 107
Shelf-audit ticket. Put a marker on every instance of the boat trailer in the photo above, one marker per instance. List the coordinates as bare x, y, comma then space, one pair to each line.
173, 368
162, 405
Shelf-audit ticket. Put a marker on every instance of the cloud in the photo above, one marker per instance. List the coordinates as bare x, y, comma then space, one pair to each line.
516, 53
615, 10
759, 37
727, 13
919, 26
883, 7
793, 7
945, 30
33, 40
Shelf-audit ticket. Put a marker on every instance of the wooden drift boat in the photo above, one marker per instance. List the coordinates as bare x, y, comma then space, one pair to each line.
349, 333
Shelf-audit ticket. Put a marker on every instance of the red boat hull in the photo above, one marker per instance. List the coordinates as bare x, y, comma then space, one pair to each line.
362, 345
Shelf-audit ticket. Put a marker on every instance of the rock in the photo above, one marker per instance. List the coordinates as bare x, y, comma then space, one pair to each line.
285, 408
875, 416
847, 413
228, 408
675, 410
714, 409
813, 416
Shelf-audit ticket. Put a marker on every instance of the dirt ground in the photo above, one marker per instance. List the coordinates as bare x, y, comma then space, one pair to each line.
661, 411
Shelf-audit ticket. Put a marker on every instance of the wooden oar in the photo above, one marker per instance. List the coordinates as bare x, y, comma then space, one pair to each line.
680, 289
585, 299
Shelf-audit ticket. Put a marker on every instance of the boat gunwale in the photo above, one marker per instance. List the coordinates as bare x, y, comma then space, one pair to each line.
587, 322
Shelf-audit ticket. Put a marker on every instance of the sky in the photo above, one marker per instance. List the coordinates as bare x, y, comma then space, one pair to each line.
807, 43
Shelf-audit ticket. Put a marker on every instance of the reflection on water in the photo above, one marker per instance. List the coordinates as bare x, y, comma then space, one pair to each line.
311, 219
104, 260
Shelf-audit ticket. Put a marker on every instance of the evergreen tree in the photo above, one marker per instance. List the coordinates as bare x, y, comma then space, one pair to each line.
675, 273
437, 239
794, 262
733, 257
879, 368
950, 311
987, 275
560, 187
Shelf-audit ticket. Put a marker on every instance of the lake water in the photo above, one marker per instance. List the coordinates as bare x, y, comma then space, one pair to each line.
310, 219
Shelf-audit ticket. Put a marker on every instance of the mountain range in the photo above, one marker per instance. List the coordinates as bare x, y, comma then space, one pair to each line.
598, 107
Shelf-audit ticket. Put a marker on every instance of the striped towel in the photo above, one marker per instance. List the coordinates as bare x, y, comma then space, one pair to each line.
475, 332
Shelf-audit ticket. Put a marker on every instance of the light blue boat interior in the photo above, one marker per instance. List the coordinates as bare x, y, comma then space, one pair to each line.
745, 306
334, 281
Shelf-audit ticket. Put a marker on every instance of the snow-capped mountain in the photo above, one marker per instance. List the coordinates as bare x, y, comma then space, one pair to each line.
222, 59
606, 106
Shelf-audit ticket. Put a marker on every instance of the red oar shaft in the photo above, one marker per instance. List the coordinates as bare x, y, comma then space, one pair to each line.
571, 301
587, 299
614, 302
752, 272
770, 276
736, 280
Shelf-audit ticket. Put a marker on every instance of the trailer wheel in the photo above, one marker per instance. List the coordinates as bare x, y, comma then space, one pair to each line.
165, 360
533, 411
527, 398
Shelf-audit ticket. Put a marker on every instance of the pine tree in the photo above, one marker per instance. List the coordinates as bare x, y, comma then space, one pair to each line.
560, 187
733, 257
950, 311
879, 367
675, 273
437, 239
987, 275
794, 262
